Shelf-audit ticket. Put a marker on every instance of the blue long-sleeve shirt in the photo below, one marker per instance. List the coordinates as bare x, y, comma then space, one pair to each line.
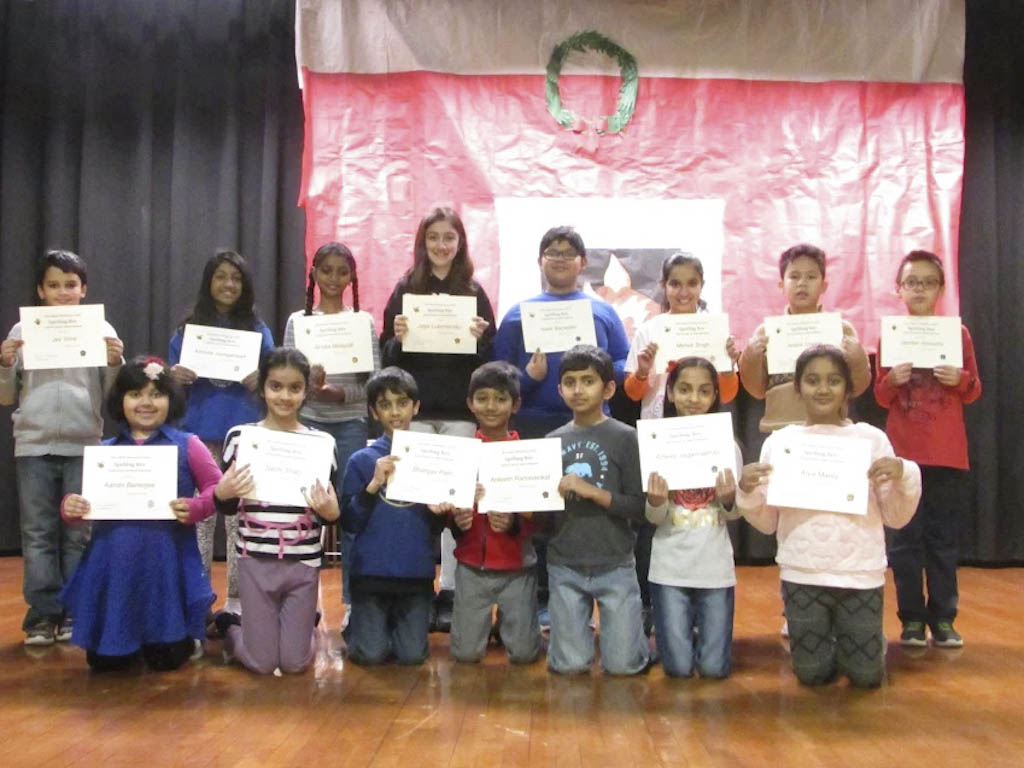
540, 398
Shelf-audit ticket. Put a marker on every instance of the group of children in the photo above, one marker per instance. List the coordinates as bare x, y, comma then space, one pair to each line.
143, 588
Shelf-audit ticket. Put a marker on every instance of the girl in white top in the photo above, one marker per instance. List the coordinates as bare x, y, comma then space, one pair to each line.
833, 565
682, 278
692, 574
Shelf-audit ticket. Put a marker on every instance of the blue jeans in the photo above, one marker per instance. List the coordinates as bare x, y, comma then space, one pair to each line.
624, 649
50, 547
349, 437
693, 629
386, 625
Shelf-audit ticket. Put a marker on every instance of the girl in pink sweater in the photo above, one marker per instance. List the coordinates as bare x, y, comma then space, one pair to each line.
832, 564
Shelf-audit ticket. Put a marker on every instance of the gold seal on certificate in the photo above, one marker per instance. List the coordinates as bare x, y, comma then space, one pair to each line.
789, 335
556, 326
220, 353
341, 343
63, 337
434, 469
439, 323
688, 451
285, 465
696, 335
924, 341
521, 475
134, 482
820, 472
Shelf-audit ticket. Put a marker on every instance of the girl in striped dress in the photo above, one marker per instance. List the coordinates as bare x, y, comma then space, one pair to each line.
278, 546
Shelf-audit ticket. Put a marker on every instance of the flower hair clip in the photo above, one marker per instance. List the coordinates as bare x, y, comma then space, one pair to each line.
153, 368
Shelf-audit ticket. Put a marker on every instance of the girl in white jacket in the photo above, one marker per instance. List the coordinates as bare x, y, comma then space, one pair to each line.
833, 564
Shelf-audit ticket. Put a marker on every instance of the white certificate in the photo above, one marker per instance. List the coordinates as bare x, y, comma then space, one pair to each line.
789, 335
925, 342
688, 451
134, 482
555, 326
699, 335
439, 323
521, 475
820, 472
220, 353
433, 469
285, 465
63, 337
341, 343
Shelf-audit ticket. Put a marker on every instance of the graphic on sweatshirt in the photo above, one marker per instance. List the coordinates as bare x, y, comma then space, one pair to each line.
588, 460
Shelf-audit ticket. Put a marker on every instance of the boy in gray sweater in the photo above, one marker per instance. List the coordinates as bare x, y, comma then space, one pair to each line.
58, 414
590, 553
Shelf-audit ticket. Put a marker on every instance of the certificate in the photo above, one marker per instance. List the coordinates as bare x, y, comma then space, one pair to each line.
285, 465
925, 342
439, 323
341, 343
135, 482
555, 326
820, 472
688, 451
699, 335
789, 335
521, 475
63, 337
432, 469
220, 353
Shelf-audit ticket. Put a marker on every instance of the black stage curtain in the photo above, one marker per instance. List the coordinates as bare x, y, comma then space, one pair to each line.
992, 276
143, 135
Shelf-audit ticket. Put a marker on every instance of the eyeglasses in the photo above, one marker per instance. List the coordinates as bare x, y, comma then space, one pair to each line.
554, 254
929, 283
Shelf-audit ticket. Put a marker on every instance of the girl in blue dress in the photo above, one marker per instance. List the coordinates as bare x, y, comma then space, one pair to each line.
140, 586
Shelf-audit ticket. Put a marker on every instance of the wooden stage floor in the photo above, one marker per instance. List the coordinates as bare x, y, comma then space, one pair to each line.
938, 708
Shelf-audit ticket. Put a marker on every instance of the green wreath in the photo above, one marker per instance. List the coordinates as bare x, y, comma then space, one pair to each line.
594, 41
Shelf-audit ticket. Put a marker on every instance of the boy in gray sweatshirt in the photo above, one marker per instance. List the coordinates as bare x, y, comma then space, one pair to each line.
58, 414
590, 553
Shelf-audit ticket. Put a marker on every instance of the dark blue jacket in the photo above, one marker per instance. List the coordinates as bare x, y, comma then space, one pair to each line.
393, 540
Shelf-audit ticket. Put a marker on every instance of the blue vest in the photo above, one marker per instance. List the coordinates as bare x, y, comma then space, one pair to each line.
166, 435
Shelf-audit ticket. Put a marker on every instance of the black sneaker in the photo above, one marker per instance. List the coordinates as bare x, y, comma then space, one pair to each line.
441, 612
913, 635
224, 619
944, 636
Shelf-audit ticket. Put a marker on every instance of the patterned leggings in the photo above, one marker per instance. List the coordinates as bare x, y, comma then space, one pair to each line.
834, 630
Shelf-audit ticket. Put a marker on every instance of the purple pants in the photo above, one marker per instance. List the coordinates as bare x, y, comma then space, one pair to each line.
278, 615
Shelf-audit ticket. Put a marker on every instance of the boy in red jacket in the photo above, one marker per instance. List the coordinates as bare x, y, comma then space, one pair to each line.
496, 563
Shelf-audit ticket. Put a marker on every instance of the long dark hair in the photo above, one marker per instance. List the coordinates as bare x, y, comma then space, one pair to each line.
681, 259
325, 250
676, 367
461, 274
243, 315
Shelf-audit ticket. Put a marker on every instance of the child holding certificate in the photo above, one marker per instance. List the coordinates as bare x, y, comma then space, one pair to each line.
441, 265
802, 273
278, 544
692, 576
336, 402
140, 586
393, 551
58, 414
832, 564
590, 552
926, 423
225, 300
682, 278
496, 561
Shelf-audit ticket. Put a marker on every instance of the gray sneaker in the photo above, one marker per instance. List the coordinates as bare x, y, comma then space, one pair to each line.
64, 630
40, 633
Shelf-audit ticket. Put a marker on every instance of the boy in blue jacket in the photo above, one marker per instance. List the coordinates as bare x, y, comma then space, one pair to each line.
392, 563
